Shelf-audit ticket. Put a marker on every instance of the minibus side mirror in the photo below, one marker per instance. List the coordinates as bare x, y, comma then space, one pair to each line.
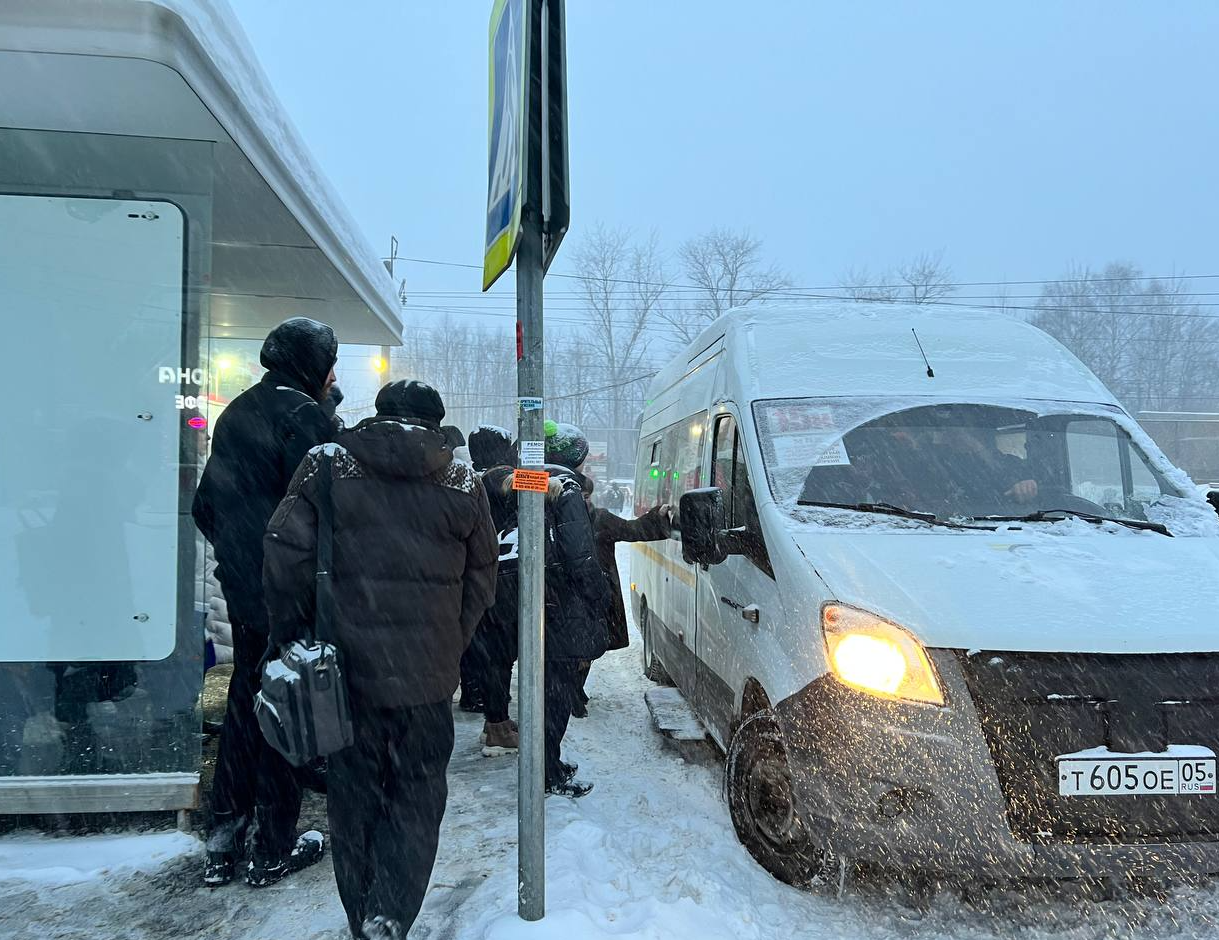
1213, 498
702, 526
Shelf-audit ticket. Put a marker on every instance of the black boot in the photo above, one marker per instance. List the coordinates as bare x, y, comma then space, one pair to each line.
225, 848
571, 788
266, 871
218, 869
471, 698
383, 928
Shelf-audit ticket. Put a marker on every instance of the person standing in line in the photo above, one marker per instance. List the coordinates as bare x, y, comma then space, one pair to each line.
258, 443
577, 598
470, 697
567, 448
609, 529
413, 572
496, 638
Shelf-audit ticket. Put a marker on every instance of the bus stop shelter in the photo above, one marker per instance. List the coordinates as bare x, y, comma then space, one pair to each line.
154, 198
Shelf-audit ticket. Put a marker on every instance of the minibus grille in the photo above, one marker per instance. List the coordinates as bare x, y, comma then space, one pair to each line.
1036, 706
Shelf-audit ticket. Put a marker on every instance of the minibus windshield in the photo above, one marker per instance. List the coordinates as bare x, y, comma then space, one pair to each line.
960, 461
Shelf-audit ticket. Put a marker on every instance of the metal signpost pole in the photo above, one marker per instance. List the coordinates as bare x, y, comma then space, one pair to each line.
531, 817
527, 216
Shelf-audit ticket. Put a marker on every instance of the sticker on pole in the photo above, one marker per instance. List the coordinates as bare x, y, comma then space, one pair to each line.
530, 404
533, 453
530, 481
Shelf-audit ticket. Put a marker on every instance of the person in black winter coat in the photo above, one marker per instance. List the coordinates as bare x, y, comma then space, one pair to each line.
609, 529
413, 572
576, 601
257, 445
494, 647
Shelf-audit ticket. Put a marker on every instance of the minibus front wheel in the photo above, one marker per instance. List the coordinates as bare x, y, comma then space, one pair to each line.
652, 668
762, 803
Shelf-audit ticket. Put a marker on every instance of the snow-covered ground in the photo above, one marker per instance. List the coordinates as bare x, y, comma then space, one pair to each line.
49, 861
649, 855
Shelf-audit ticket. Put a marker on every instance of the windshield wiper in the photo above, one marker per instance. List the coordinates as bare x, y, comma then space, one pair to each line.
888, 509
1048, 515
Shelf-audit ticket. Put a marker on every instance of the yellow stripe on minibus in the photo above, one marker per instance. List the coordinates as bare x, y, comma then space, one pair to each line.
679, 571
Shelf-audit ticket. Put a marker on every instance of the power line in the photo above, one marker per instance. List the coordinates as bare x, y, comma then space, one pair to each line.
851, 287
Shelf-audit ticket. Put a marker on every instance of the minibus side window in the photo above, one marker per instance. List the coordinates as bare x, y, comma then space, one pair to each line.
1106, 467
1092, 449
723, 463
684, 445
647, 492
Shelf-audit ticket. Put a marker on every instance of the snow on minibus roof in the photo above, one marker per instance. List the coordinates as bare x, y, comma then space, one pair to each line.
849, 349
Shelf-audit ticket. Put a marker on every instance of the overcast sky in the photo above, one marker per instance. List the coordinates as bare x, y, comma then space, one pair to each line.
1017, 137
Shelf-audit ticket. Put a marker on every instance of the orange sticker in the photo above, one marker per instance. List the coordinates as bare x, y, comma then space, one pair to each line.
531, 481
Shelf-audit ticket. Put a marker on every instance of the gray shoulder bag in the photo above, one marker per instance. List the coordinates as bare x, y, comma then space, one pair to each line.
302, 707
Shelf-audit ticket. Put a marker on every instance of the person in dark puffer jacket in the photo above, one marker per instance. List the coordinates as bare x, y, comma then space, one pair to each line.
414, 565
576, 602
495, 642
257, 446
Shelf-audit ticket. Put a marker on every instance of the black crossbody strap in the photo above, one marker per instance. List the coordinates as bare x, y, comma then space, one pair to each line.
324, 616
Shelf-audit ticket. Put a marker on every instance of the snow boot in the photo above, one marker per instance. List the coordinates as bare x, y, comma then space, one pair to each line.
571, 788
501, 738
218, 870
569, 770
308, 851
382, 928
482, 738
225, 847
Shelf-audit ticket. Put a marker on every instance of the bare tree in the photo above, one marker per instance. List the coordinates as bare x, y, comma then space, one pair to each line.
622, 286
926, 277
726, 270
862, 285
923, 279
1144, 338
473, 368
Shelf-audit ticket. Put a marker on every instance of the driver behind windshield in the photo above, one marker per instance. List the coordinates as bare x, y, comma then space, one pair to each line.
979, 471
927, 462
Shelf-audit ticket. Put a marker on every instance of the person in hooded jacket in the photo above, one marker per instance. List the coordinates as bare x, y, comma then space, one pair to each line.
576, 601
567, 447
257, 445
413, 572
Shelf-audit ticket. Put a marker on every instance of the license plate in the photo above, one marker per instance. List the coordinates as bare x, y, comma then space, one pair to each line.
1164, 776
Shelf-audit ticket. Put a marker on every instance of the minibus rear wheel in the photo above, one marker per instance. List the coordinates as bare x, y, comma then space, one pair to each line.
762, 803
652, 668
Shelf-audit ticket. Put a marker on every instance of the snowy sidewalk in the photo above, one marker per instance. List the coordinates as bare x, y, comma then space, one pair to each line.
649, 855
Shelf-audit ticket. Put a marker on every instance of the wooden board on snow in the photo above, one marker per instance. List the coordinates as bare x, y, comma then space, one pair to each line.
673, 716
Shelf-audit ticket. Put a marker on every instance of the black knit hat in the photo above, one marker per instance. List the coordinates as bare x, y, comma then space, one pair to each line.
412, 399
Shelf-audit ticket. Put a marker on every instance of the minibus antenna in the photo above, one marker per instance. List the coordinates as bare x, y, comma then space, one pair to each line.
930, 371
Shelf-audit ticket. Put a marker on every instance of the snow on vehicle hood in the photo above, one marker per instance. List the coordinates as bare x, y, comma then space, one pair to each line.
1044, 587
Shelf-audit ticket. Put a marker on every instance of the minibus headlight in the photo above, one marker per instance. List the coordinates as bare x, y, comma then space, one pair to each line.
869, 653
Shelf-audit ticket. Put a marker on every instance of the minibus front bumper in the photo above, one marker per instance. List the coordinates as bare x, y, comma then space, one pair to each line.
904, 785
